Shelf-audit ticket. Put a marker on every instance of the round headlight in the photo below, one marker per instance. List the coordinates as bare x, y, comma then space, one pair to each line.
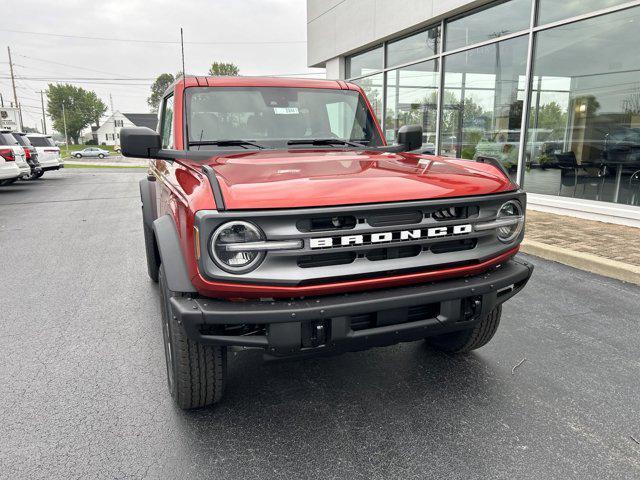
232, 258
511, 210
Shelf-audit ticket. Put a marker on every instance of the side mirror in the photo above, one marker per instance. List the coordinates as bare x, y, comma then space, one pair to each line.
410, 137
140, 142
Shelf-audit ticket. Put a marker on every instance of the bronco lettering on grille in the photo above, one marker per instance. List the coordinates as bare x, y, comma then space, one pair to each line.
389, 237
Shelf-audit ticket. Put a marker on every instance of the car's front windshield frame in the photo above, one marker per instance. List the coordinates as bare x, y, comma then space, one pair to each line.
361, 117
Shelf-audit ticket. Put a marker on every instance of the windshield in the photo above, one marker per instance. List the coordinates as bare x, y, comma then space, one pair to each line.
270, 117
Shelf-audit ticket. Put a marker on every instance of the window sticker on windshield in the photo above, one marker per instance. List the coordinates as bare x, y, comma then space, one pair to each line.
285, 110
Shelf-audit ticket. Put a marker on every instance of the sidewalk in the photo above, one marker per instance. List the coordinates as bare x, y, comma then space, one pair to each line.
603, 248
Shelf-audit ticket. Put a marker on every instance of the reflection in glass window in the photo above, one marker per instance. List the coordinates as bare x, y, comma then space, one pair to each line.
488, 23
583, 138
552, 10
418, 46
372, 87
412, 99
482, 102
167, 123
364, 63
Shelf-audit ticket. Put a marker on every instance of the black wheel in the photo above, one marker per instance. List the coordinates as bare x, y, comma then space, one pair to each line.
153, 256
466, 340
8, 181
78, 155
38, 175
195, 372
101, 155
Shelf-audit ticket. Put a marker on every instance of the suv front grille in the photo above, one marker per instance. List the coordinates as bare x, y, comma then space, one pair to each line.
364, 241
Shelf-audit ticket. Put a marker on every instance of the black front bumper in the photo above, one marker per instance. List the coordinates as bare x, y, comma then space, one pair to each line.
352, 321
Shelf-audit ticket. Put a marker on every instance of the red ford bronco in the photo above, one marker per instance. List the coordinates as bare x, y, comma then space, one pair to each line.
276, 217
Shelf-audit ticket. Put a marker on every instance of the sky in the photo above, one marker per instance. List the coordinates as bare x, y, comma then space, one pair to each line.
245, 32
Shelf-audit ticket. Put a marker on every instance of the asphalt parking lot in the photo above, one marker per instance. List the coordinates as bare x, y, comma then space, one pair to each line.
82, 375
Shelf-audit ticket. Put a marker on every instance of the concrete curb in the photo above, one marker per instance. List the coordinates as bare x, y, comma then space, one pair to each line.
105, 164
584, 261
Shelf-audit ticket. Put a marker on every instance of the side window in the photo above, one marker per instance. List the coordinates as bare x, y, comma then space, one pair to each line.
167, 123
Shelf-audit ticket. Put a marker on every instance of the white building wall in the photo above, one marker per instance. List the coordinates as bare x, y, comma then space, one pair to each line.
336, 28
109, 133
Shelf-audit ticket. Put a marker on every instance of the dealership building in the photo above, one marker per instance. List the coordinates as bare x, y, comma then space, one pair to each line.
550, 88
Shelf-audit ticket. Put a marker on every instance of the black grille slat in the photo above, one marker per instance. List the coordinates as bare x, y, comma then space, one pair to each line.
454, 246
394, 252
326, 224
326, 259
395, 218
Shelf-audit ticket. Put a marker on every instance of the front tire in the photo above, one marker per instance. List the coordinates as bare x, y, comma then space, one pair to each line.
195, 372
470, 339
78, 155
101, 155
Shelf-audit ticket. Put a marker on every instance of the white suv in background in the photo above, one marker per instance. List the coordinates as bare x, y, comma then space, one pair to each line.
13, 161
48, 152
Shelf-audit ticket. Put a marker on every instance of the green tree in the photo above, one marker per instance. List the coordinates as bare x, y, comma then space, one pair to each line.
551, 116
219, 69
81, 108
158, 88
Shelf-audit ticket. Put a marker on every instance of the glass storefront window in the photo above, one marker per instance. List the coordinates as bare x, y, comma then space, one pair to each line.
364, 63
552, 10
489, 23
412, 99
372, 87
415, 47
482, 102
583, 138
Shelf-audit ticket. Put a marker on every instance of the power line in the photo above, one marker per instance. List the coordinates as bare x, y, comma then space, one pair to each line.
164, 42
25, 77
66, 65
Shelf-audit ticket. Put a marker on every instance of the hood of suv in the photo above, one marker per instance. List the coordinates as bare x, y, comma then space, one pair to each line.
313, 178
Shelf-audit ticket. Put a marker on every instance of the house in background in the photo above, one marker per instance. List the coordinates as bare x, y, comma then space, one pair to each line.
109, 132
90, 136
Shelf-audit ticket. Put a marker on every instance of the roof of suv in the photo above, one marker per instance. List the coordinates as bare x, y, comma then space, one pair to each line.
228, 81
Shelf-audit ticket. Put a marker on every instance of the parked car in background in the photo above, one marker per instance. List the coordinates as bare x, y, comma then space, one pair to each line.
13, 152
31, 153
48, 152
91, 152
9, 171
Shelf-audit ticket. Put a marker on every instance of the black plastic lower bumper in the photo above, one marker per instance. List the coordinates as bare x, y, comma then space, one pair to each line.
351, 321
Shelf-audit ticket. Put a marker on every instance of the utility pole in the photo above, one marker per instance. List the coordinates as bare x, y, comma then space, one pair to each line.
114, 119
1, 100
64, 121
44, 118
13, 83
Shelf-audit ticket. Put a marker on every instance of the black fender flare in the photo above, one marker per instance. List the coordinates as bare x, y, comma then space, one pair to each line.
175, 267
148, 198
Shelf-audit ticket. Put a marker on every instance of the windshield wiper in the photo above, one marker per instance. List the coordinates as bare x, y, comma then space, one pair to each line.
227, 143
324, 141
